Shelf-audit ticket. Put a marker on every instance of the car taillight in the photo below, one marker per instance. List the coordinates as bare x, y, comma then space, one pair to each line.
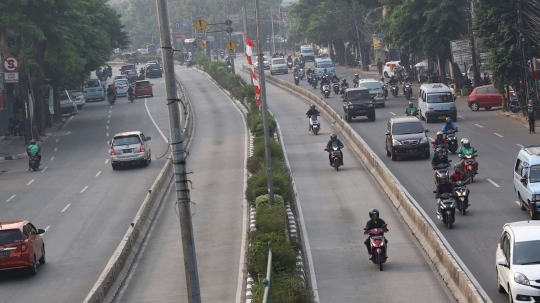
112, 152
142, 148
84, 91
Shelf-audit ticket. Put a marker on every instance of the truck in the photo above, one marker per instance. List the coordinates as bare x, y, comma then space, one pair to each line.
307, 52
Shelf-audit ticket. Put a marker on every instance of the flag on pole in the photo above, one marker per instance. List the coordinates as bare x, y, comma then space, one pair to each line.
249, 53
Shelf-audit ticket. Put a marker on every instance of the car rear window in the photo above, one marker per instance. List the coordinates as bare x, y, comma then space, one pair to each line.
358, 95
406, 128
127, 140
128, 67
278, 61
143, 83
120, 82
10, 236
92, 83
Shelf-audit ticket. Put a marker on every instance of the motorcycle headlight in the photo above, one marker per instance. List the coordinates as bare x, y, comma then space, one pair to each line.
424, 140
520, 278
396, 142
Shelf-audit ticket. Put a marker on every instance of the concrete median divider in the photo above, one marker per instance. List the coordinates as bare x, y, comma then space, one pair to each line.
447, 263
117, 269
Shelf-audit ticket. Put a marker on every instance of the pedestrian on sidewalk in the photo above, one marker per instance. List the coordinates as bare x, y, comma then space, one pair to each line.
530, 115
379, 66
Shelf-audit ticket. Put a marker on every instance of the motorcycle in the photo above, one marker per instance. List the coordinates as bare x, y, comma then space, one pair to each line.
131, 97
335, 156
289, 64
450, 136
385, 91
112, 99
33, 163
14, 130
395, 90
326, 90
407, 91
314, 82
462, 193
378, 245
315, 124
513, 104
446, 209
296, 79
309, 78
336, 87
302, 74
441, 172
468, 160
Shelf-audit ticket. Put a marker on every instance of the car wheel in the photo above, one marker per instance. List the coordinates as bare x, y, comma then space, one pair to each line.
115, 166
383, 105
393, 156
371, 117
487, 107
388, 154
385, 74
42, 259
510, 298
533, 215
32, 270
500, 288
427, 155
474, 106
521, 204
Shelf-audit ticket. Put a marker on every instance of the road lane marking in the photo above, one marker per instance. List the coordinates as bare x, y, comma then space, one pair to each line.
108, 121
517, 202
111, 106
31, 181
392, 113
110, 111
519, 145
479, 125
107, 127
107, 134
494, 184
98, 173
106, 161
56, 148
56, 140
65, 208
499, 135
68, 120
82, 191
52, 158
10, 198
153, 121
461, 117
46, 229
45, 168
431, 139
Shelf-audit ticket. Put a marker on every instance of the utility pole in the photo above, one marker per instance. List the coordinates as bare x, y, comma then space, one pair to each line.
262, 87
179, 158
473, 48
273, 36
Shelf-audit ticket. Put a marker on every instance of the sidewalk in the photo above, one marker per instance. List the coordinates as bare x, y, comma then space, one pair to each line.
372, 70
15, 148
518, 116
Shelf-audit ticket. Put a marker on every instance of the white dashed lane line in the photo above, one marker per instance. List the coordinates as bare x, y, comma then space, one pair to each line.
499, 135
47, 228
106, 161
519, 145
31, 181
44, 169
107, 134
494, 184
10, 198
98, 173
56, 148
84, 189
517, 202
392, 113
65, 208
479, 125
56, 140
461, 117
107, 127
52, 158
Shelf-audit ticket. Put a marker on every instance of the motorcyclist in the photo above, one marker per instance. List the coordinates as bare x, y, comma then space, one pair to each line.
439, 140
444, 186
335, 79
130, 91
356, 79
411, 110
458, 174
289, 58
312, 111
393, 81
309, 71
448, 125
109, 70
334, 141
325, 79
381, 81
344, 86
439, 158
142, 71
34, 150
296, 61
110, 90
465, 149
374, 222
406, 82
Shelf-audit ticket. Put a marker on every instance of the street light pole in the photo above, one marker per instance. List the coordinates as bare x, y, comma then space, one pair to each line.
262, 87
473, 48
179, 158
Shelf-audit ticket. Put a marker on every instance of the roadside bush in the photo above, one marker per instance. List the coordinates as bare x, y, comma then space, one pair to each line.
286, 288
257, 185
270, 219
254, 165
257, 126
283, 255
259, 149
263, 200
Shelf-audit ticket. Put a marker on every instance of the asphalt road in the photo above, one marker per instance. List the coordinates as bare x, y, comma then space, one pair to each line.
493, 201
217, 156
335, 208
83, 204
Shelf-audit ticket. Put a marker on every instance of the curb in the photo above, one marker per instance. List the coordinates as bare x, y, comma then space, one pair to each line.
14, 157
517, 117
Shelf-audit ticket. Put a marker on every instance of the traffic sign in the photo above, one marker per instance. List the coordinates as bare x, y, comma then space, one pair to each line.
200, 24
460, 45
202, 45
10, 64
11, 77
178, 36
200, 36
228, 22
232, 55
230, 45
177, 25
229, 30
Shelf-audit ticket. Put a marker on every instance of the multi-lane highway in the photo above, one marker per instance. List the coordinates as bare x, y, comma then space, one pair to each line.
493, 201
83, 204
335, 209
217, 160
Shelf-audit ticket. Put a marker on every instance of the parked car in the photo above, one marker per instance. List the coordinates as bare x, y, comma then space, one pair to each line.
124, 68
405, 136
93, 90
143, 88
485, 96
130, 148
388, 69
21, 246
122, 86
153, 71
80, 101
517, 260
67, 103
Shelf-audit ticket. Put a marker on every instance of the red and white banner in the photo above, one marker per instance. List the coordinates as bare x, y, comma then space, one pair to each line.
249, 53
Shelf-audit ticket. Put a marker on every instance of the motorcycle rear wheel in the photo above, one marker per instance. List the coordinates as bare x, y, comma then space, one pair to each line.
380, 259
470, 174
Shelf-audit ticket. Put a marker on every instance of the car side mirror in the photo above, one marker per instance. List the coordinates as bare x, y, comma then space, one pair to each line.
40, 231
148, 138
387, 133
503, 262
427, 130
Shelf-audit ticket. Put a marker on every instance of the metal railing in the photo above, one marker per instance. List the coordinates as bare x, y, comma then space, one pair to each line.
267, 298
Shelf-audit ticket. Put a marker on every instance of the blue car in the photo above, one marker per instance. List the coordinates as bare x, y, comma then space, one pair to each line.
321, 64
93, 90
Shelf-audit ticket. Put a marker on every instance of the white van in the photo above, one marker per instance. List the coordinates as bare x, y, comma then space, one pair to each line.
435, 102
527, 180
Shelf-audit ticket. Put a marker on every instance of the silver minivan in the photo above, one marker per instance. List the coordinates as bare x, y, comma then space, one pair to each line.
436, 102
130, 148
527, 180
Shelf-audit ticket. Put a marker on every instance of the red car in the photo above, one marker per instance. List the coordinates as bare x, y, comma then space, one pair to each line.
21, 246
485, 96
143, 88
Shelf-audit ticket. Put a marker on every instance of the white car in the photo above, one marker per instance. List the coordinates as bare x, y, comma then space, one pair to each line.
266, 63
120, 77
79, 98
388, 69
518, 261
122, 87
279, 65
143, 51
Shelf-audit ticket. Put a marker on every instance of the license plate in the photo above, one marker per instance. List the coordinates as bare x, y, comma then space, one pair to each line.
127, 150
361, 111
411, 151
4, 254
442, 117
92, 90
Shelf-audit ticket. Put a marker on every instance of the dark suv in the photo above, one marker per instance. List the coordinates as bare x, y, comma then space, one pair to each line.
405, 136
127, 67
357, 102
154, 71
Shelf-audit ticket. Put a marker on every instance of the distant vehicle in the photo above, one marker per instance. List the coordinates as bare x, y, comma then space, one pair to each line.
21, 246
93, 90
266, 63
143, 88
127, 67
307, 52
151, 48
324, 63
122, 87
436, 102
278, 66
130, 148
485, 96
388, 69
143, 51
357, 102
120, 77
153, 71
67, 104
79, 98
406, 136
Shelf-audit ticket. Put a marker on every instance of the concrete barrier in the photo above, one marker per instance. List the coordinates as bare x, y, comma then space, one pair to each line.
442, 256
117, 268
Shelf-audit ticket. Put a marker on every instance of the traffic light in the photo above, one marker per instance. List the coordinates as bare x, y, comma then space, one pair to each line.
194, 45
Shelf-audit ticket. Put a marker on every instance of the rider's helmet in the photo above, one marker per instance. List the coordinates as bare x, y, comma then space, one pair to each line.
439, 134
356, 75
393, 77
312, 106
440, 153
410, 104
465, 142
382, 79
374, 213
33, 141
333, 137
448, 120
458, 168
344, 80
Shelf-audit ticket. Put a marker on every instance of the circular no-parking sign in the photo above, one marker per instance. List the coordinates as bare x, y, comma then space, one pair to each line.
10, 64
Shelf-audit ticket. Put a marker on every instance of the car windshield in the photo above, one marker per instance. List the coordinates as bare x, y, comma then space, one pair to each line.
127, 67
279, 61
92, 83
534, 173
527, 252
325, 64
407, 128
358, 95
142, 83
307, 50
10, 236
118, 141
439, 98
371, 85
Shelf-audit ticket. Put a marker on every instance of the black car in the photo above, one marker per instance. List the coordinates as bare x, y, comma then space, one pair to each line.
405, 136
357, 102
125, 68
153, 71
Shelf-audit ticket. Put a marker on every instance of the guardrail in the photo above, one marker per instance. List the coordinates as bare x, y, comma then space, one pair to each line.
441, 256
117, 268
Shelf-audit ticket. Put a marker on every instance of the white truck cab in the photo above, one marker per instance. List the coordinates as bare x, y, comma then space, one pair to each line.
527, 180
435, 102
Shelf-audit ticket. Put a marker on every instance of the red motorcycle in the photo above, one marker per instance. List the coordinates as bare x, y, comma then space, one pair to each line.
335, 156
378, 245
468, 160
